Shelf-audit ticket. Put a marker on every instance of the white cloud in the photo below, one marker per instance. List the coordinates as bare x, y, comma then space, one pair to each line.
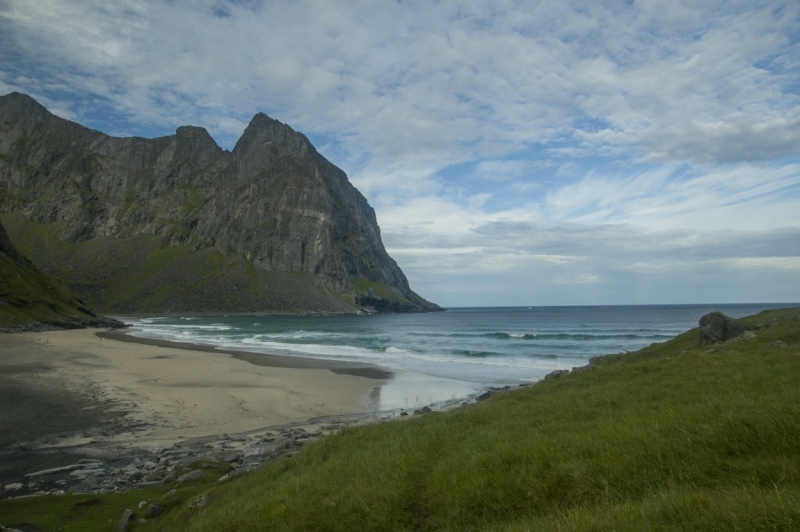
426, 84
586, 131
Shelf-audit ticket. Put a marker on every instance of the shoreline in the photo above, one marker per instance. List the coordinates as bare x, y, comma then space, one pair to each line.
357, 369
184, 390
399, 389
72, 395
89, 394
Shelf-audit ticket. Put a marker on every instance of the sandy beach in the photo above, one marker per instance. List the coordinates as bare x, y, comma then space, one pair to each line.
104, 395
171, 394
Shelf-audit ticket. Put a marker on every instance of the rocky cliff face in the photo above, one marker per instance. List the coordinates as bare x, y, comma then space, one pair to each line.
272, 206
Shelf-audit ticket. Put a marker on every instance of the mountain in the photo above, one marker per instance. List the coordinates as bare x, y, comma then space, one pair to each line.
30, 300
177, 224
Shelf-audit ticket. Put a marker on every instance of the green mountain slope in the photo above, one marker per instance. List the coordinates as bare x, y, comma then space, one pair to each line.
31, 300
141, 274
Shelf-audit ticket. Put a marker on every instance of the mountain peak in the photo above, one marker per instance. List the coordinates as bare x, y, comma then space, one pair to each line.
17, 103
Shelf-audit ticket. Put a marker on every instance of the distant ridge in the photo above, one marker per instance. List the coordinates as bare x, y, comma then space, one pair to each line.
177, 224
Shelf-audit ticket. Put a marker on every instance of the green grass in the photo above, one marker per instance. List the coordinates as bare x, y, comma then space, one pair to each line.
194, 198
27, 295
656, 440
157, 260
361, 285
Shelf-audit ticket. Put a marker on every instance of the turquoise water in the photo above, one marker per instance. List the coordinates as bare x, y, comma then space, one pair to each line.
478, 347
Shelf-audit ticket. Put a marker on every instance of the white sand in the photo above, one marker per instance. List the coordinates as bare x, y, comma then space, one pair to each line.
187, 393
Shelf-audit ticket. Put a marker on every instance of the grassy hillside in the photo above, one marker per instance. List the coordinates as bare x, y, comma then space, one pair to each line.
142, 275
676, 436
28, 296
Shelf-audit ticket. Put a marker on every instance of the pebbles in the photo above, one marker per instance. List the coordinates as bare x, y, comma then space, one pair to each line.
155, 466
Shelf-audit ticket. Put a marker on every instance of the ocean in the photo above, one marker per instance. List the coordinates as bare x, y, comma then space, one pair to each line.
448, 356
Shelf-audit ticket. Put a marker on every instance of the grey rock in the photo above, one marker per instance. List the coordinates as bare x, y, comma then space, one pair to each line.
717, 327
170, 493
13, 487
556, 374
777, 344
137, 475
227, 456
122, 525
156, 510
199, 502
150, 484
170, 477
189, 461
191, 475
749, 334
82, 473
237, 473
273, 206
56, 470
155, 475
256, 450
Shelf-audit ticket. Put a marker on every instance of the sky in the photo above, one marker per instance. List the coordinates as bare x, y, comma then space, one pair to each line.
515, 153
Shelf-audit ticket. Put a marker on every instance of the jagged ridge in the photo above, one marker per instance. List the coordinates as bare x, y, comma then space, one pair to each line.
271, 207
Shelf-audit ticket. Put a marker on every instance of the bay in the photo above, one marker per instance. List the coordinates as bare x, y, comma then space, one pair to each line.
448, 355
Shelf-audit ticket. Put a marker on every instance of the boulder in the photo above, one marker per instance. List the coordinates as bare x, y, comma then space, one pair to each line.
199, 502
191, 475
777, 344
717, 327
122, 525
171, 476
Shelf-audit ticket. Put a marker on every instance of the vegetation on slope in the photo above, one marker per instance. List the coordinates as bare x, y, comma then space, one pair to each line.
676, 436
29, 298
141, 274
673, 437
